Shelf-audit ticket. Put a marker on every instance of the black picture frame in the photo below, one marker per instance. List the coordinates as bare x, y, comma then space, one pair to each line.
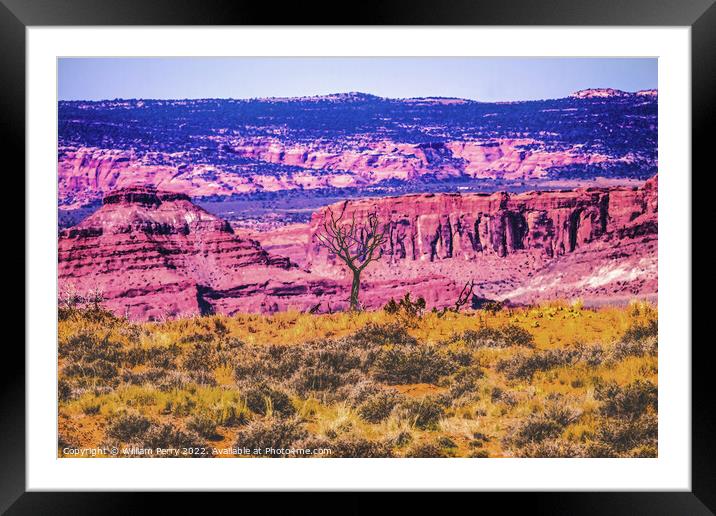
17, 15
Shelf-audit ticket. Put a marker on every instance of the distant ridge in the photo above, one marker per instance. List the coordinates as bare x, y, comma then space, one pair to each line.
591, 93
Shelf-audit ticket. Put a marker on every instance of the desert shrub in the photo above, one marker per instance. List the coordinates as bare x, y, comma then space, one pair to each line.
536, 428
231, 415
173, 380
403, 438
167, 436
197, 338
360, 448
203, 356
372, 335
91, 407
411, 365
638, 331
523, 367
310, 379
257, 363
446, 442
204, 425
327, 368
64, 390
615, 437
202, 378
357, 393
427, 451
464, 386
590, 355
128, 426
517, 336
101, 369
378, 407
424, 413
461, 357
271, 433
505, 336
647, 346
87, 347
406, 306
182, 405
150, 376
499, 395
264, 399
553, 448
155, 356
629, 401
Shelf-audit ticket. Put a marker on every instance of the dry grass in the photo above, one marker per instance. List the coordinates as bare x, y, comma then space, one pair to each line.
552, 380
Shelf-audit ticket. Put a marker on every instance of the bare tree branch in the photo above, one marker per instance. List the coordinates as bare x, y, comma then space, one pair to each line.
356, 242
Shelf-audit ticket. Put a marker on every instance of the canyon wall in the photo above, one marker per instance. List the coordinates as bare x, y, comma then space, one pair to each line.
431, 227
154, 254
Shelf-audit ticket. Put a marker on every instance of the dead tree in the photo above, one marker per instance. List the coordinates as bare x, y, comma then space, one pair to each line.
465, 295
356, 243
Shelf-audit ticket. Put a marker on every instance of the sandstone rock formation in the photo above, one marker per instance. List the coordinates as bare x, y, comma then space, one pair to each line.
154, 254
502, 240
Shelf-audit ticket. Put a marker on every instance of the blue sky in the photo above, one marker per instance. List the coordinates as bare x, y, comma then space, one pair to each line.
485, 79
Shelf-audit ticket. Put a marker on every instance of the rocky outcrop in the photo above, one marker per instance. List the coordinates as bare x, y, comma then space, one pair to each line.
155, 254
591, 93
86, 174
503, 241
432, 227
499, 158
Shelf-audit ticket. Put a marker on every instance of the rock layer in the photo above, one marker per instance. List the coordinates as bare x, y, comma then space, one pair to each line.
154, 254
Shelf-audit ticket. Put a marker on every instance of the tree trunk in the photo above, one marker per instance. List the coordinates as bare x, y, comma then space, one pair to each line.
354, 290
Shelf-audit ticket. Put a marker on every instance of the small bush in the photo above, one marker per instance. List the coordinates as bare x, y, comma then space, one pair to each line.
523, 367
424, 414
128, 426
536, 428
635, 348
626, 402
264, 399
202, 357
503, 337
373, 335
204, 425
639, 331
167, 436
553, 448
64, 390
378, 407
501, 396
616, 437
360, 448
411, 365
517, 336
271, 433
427, 451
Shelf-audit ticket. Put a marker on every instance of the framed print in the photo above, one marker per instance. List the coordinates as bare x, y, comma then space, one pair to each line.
426, 251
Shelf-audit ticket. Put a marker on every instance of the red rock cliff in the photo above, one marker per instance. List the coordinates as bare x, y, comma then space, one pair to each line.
432, 227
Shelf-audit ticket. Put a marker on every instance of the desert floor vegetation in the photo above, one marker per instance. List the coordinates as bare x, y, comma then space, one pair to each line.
555, 380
